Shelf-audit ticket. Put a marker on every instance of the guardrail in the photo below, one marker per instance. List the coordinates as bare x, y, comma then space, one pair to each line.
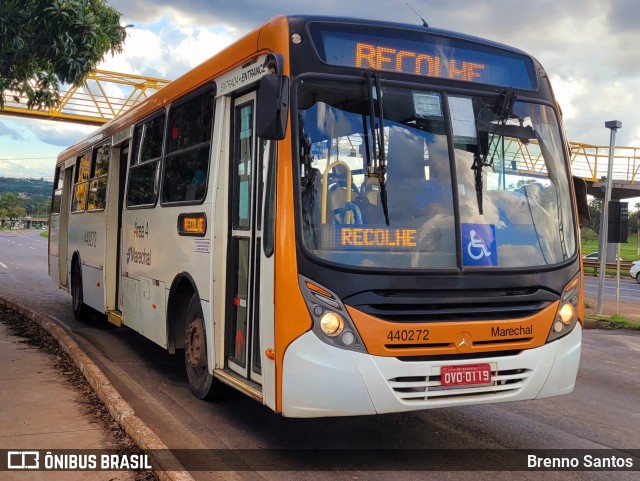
624, 265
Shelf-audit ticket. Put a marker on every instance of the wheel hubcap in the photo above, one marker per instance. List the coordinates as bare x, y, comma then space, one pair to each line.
194, 343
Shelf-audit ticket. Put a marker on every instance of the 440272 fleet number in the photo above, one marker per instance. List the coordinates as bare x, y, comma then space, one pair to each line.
408, 335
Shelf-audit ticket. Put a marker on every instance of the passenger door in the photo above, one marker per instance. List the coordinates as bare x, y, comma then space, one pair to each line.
242, 334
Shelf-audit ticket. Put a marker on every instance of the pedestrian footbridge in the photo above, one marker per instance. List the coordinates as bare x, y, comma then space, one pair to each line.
591, 162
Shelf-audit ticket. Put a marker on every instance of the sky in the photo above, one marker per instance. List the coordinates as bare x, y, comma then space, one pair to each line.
590, 49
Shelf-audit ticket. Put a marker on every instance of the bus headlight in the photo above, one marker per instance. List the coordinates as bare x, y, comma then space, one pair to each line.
567, 315
331, 321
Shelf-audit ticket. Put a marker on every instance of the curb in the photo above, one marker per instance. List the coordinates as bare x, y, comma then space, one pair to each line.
120, 410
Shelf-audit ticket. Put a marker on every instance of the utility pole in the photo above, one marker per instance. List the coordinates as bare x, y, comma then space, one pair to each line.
613, 125
638, 229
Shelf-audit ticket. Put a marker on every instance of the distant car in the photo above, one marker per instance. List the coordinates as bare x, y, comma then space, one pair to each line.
593, 256
635, 271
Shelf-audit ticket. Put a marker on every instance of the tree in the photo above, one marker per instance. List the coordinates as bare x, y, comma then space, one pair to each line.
46, 43
11, 208
595, 210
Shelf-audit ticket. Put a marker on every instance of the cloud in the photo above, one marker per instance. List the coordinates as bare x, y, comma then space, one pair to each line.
34, 153
11, 132
54, 133
170, 51
624, 15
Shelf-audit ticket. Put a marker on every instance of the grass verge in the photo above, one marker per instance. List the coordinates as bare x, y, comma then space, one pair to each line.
615, 321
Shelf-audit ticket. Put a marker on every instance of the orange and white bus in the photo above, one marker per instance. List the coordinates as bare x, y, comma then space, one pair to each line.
337, 217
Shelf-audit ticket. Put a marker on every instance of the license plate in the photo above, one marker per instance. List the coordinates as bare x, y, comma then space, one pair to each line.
465, 375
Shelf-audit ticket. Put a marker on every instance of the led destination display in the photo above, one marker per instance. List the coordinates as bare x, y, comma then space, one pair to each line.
424, 54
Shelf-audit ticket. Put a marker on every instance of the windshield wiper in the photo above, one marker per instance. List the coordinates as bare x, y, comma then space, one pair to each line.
377, 168
503, 110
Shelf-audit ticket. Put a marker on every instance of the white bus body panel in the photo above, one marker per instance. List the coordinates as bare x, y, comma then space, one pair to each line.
152, 311
313, 369
130, 302
87, 238
153, 254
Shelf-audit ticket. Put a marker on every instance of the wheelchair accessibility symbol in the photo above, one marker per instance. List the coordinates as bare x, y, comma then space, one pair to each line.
476, 247
479, 241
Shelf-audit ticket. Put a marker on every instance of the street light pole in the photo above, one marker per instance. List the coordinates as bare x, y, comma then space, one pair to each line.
613, 125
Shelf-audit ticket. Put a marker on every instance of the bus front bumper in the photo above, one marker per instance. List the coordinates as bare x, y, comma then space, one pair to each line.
320, 380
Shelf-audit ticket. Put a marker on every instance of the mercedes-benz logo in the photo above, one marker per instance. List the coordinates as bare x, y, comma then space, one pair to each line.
464, 342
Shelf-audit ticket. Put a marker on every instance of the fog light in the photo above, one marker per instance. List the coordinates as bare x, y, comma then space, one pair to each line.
566, 313
557, 326
332, 324
348, 338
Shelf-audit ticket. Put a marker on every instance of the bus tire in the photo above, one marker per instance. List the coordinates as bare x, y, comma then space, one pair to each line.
201, 381
80, 310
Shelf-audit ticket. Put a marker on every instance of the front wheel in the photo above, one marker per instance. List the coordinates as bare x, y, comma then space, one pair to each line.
201, 381
638, 277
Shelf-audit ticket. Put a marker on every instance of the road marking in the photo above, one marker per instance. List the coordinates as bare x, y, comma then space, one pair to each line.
3, 265
595, 288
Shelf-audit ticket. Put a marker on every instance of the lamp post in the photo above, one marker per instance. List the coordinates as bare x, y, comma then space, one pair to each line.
613, 125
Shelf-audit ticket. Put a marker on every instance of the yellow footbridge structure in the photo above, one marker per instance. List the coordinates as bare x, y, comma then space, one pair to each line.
102, 96
105, 95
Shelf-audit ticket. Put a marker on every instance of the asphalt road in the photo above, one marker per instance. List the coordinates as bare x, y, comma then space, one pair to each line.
602, 412
629, 288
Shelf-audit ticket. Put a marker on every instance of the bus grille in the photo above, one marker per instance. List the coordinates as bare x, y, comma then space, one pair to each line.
429, 388
436, 306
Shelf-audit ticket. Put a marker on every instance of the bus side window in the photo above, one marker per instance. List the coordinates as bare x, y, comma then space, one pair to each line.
99, 175
81, 183
187, 154
142, 189
56, 200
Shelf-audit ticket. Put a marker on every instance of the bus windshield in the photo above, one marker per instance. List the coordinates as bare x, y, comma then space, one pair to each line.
511, 187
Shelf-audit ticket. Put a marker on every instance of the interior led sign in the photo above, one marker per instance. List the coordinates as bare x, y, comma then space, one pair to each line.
358, 236
353, 237
424, 54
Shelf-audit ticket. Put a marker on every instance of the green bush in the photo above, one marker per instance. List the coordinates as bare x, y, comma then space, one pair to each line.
588, 234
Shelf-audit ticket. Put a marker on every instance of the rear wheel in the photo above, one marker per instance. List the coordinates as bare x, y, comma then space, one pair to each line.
638, 277
80, 310
201, 381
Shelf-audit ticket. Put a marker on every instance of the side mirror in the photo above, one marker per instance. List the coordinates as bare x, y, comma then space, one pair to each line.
580, 188
272, 107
